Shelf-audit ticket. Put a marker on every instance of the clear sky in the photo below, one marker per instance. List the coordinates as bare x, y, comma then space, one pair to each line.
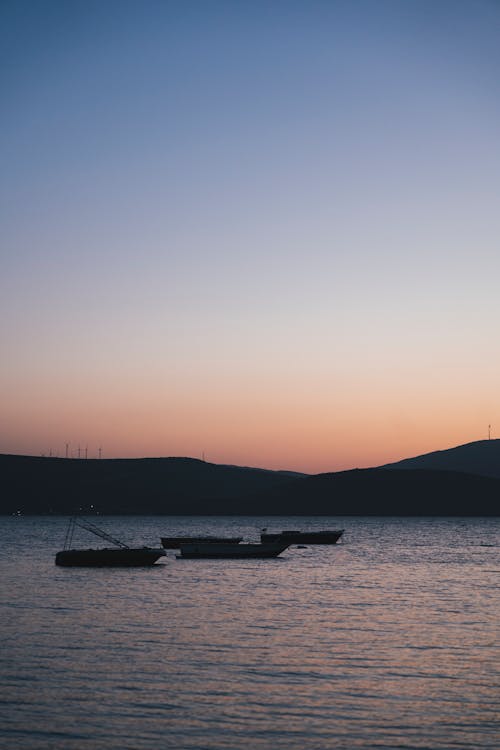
266, 232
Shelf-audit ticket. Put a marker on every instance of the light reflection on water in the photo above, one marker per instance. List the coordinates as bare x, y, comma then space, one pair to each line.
387, 640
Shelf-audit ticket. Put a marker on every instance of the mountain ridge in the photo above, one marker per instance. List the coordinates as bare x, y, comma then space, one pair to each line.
423, 485
481, 457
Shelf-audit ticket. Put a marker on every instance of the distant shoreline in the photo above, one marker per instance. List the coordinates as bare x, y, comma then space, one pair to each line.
425, 486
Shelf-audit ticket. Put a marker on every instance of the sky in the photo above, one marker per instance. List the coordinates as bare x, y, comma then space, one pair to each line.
259, 233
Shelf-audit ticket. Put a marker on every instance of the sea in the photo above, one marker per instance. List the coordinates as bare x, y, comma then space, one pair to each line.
388, 639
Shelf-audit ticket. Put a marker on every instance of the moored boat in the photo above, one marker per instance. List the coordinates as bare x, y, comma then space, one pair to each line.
240, 551
175, 542
304, 537
109, 557
120, 556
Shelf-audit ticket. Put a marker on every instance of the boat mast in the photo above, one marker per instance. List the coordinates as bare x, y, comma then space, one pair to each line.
74, 521
99, 532
69, 533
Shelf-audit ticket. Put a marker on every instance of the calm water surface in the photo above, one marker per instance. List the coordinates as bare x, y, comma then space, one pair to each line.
388, 640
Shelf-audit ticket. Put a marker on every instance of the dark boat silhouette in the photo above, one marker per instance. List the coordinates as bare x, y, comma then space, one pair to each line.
119, 556
240, 551
175, 542
303, 537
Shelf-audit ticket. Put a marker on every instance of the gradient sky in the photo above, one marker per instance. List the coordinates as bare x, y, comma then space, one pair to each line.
266, 232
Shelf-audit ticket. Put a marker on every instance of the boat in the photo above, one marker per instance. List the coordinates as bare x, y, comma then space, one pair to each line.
119, 556
175, 542
109, 557
240, 551
303, 537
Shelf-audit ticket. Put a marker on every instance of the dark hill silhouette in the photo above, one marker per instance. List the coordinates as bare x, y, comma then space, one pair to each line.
481, 457
34, 484
407, 492
187, 486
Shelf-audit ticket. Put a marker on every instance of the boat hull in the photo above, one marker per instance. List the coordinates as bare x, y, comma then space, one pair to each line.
304, 537
122, 558
175, 542
234, 551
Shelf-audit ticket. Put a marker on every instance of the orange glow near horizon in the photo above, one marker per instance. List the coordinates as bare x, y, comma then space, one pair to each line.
302, 430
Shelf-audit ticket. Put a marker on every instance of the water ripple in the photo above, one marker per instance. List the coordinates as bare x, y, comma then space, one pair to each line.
386, 641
